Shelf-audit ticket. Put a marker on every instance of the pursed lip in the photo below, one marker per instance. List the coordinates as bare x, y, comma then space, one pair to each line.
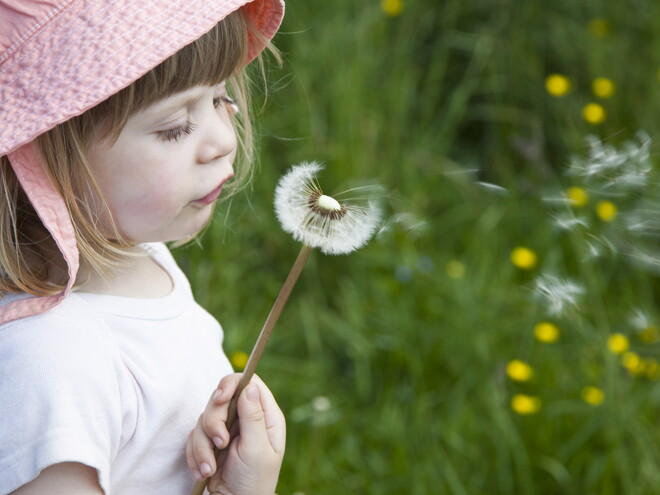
214, 194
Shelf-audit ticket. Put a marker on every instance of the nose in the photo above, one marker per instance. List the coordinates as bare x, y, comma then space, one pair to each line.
218, 138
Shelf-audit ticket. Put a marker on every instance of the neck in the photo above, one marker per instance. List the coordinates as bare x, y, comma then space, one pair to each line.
138, 277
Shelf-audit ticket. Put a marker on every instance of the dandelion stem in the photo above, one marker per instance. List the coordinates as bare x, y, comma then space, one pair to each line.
261, 343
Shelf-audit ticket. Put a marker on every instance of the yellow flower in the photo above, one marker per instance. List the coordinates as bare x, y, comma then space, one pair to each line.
455, 269
633, 363
524, 258
238, 360
606, 210
598, 28
649, 335
525, 404
519, 370
577, 196
593, 396
618, 343
594, 113
392, 8
602, 87
546, 332
557, 85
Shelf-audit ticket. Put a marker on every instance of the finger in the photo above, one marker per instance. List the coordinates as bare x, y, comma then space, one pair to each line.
202, 453
190, 459
273, 416
215, 414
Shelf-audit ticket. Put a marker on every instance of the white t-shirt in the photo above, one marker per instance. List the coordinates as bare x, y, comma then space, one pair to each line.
114, 383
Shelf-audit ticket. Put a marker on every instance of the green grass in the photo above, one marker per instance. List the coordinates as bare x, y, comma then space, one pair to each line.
431, 104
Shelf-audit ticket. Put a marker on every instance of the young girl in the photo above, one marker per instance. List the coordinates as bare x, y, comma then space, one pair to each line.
119, 132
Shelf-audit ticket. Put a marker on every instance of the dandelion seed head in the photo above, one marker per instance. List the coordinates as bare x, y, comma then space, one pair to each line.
492, 187
321, 404
321, 221
569, 222
558, 294
624, 168
639, 319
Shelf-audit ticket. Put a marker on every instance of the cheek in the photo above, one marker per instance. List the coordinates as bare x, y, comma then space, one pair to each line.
151, 199
140, 199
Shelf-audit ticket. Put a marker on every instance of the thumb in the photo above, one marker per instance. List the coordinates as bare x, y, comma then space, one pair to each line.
251, 416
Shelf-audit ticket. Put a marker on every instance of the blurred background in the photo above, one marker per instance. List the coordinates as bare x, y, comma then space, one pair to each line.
500, 334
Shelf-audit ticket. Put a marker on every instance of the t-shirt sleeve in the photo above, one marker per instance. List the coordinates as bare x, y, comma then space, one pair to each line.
60, 398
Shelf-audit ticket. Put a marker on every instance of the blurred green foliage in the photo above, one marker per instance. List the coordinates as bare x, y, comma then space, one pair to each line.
391, 363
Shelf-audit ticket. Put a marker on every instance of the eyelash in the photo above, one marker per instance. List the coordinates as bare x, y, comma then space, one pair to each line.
187, 128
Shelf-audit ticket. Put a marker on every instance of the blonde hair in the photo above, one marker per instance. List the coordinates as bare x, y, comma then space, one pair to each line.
29, 257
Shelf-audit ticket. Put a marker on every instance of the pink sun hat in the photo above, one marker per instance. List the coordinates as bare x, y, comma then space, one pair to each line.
59, 58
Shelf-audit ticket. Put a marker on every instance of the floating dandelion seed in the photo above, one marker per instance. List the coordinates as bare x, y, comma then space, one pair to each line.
569, 222
622, 168
557, 293
318, 221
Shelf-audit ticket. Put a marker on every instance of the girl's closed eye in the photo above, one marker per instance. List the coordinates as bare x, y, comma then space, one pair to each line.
227, 102
177, 132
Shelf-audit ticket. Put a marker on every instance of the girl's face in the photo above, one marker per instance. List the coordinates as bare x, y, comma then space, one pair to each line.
162, 175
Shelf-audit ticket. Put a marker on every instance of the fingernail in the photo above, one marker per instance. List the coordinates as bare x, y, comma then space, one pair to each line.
217, 394
218, 441
205, 469
198, 476
252, 393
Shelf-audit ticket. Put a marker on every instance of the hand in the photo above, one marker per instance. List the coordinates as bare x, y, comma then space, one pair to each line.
250, 462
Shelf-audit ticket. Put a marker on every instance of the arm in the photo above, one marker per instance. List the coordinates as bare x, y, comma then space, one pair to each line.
67, 478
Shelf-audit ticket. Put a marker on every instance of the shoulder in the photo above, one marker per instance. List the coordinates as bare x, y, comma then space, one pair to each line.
61, 393
73, 323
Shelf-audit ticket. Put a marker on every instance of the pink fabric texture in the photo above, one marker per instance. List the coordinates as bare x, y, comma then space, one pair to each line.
55, 217
59, 58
